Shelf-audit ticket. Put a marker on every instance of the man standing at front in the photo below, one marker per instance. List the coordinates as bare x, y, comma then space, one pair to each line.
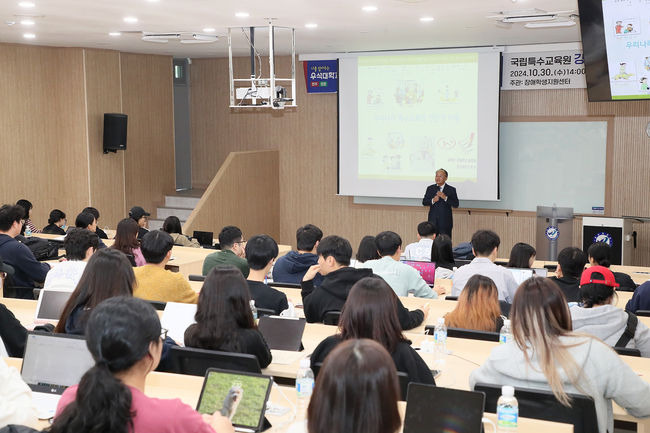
441, 198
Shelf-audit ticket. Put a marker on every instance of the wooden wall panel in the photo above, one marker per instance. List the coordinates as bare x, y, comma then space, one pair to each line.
43, 129
147, 98
103, 95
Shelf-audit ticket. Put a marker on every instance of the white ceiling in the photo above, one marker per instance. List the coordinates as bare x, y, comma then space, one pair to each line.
342, 25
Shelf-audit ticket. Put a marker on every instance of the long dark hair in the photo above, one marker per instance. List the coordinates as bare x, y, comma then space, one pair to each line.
442, 253
356, 391
367, 250
119, 333
223, 308
520, 255
126, 236
172, 225
107, 274
371, 312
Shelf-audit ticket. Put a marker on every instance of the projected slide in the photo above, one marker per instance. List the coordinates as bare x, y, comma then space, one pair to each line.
416, 114
627, 36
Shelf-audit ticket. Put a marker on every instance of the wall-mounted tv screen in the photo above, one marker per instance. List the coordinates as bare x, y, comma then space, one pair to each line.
616, 45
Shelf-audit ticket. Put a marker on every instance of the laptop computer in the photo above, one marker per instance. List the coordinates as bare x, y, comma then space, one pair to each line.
206, 239
282, 333
52, 363
432, 409
50, 305
540, 272
521, 274
427, 270
239, 396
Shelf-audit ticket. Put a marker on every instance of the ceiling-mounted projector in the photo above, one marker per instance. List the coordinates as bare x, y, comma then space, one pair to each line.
183, 37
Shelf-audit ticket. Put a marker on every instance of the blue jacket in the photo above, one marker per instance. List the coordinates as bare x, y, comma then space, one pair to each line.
28, 269
291, 267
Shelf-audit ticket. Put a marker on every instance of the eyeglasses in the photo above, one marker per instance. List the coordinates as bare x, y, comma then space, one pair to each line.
163, 333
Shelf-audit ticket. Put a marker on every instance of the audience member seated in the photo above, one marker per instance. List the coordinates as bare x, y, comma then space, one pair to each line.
139, 215
16, 405
124, 338
334, 254
599, 254
172, 225
91, 210
27, 207
153, 281
261, 250
232, 251
403, 278
126, 240
570, 263
640, 299
28, 270
442, 255
224, 320
421, 250
371, 312
546, 354
55, 223
291, 267
367, 251
86, 220
478, 306
598, 317
485, 246
356, 391
79, 244
12, 334
107, 274
522, 255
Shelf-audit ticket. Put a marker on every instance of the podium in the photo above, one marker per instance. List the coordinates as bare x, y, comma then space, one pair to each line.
554, 231
611, 231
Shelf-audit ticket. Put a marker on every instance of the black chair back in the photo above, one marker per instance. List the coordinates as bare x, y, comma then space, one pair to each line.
543, 405
627, 352
158, 305
194, 277
285, 285
643, 313
470, 334
187, 360
332, 318
451, 298
402, 377
265, 312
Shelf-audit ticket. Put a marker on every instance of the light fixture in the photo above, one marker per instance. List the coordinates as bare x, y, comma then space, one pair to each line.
27, 22
369, 8
209, 30
242, 14
26, 4
426, 19
184, 37
29, 35
311, 25
529, 18
114, 34
542, 25
130, 20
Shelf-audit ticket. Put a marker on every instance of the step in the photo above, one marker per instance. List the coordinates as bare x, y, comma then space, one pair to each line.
180, 202
182, 213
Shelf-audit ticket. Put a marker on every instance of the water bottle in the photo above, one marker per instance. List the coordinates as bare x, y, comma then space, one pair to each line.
440, 340
304, 386
253, 309
505, 334
507, 410
28, 231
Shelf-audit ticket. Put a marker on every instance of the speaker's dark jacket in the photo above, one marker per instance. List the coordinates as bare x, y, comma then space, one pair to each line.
440, 212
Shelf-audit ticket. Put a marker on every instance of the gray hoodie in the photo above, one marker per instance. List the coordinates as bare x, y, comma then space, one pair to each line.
608, 323
604, 377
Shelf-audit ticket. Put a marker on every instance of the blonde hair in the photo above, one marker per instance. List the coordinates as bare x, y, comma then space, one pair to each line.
478, 306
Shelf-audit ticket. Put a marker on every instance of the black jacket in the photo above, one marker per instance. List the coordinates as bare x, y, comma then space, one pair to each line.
406, 359
53, 229
267, 297
570, 287
243, 340
333, 292
440, 212
625, 282
28, 269
13, 334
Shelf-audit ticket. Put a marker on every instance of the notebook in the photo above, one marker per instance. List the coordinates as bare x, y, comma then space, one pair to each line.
239, 396
282, 333
427, 270
432, 409
52, 363
206, 239
50, 305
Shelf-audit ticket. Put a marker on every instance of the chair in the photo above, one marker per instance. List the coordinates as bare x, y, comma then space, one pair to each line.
643, 313
11, 290
187, 360
332, 318
470, 334
627, 351
285, 285
158, 305
265, 312
543, 405
402, 377
451, 298
194, 277
551, 268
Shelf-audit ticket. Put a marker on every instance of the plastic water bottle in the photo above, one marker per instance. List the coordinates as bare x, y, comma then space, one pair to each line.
440, 339
253, 309
304, 386
28, 231
505, 334
507, 410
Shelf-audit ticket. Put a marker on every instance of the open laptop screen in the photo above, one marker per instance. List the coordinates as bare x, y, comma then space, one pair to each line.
51, 304
521, 274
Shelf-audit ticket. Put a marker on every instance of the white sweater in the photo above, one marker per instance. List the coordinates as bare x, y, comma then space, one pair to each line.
16, 406
605, 377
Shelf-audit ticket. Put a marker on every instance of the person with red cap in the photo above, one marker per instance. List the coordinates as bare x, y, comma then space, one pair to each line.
598, 316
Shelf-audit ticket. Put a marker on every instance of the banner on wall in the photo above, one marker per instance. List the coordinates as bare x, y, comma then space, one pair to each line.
321, 76
543, 70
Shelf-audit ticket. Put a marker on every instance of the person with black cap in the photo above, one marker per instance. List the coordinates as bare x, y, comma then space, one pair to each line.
598, 316
140, 216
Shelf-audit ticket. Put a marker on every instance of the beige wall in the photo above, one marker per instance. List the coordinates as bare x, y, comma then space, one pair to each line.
51, 123
307, 141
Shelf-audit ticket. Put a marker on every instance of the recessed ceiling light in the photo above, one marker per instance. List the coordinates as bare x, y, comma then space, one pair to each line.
242, 14
114, 34
153, 1
311, 25
209, 30
130, 20
426, 19
369, 8
27, 22
29, 36
26, 4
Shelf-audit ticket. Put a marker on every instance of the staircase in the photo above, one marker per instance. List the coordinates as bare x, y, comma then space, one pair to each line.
180, 205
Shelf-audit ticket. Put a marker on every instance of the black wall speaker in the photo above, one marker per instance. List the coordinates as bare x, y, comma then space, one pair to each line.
114, 132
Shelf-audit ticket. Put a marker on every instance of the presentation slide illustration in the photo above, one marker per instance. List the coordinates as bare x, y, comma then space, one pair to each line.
418, 113
627, 36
